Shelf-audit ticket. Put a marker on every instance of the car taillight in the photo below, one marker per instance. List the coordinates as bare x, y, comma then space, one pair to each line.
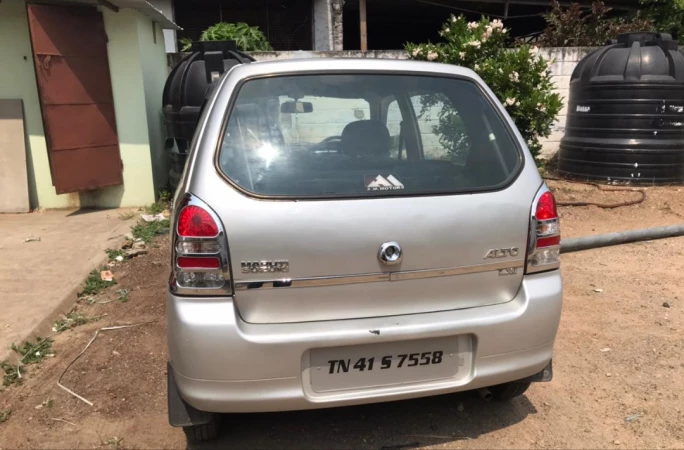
194, 221
543, 252
200, 253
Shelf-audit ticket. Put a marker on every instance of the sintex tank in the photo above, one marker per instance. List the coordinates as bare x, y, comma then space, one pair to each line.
626, 112
186, 87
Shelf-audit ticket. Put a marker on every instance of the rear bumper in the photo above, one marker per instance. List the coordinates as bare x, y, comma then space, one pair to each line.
222, 364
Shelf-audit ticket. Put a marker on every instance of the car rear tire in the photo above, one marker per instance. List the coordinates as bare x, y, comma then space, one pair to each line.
202, 433
508, 391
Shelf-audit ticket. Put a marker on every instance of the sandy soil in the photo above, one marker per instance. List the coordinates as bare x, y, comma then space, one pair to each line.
619, 355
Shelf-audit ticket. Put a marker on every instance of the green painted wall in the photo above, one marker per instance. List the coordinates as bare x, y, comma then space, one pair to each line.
155, 71
135, 68
129, 105
18, 81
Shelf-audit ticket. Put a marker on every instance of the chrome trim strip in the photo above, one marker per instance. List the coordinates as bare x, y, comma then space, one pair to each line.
241, 285
312, 282
452, 271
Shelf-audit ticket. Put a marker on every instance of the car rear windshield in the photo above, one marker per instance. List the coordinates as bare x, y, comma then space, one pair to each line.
365, 135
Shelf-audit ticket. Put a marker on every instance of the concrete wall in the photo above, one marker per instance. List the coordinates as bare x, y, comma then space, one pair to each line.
14, 196
322, 38
371, 54
135, 69
565, 60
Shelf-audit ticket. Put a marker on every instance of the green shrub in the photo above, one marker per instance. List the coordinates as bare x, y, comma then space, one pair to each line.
247, 38
185, 44
94, 284
668, 16
32, 353
518, 76
577, 27
148, 230
12, 373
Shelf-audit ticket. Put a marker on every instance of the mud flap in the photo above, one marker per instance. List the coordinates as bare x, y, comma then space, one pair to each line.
545, 375
180, 413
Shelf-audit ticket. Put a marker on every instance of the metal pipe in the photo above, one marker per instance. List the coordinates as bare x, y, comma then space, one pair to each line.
485, 394
622, 237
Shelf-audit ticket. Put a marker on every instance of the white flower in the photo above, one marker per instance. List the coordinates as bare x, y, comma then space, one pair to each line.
446, 30
514, 76
416, 52
453, 18
461, 55
500, 70
511, 101
37, 353
475, 44
496, 23
472, 25
477, 67
487, 34
431, 56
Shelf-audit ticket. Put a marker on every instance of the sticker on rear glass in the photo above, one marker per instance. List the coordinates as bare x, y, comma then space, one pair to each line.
382, 183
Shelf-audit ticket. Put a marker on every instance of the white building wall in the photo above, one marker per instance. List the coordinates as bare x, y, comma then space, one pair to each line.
565, 60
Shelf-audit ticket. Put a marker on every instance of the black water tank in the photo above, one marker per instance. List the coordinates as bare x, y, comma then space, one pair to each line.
184, 92
626, 112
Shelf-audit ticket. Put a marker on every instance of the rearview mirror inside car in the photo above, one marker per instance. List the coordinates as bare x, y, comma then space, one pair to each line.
296, 107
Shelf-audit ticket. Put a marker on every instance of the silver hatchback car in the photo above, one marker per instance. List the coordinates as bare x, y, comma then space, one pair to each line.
356, 231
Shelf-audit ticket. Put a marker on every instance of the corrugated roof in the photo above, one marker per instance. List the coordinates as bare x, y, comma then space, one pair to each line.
148, 9
142, 6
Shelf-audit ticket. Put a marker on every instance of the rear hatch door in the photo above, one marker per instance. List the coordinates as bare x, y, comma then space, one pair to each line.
306, 221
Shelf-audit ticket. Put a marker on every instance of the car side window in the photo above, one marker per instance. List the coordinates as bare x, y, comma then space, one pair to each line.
442, 131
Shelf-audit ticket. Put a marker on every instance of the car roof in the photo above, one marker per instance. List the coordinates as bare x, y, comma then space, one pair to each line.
296, 65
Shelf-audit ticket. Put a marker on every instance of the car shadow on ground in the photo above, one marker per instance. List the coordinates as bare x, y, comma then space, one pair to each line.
382, 426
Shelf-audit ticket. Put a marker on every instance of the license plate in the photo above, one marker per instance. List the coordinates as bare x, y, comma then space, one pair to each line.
386, 364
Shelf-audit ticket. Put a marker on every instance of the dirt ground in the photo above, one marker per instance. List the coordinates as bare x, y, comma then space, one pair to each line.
618, 365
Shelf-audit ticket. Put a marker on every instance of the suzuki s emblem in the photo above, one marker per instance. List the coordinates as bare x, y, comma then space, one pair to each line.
390, 253
501, 252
